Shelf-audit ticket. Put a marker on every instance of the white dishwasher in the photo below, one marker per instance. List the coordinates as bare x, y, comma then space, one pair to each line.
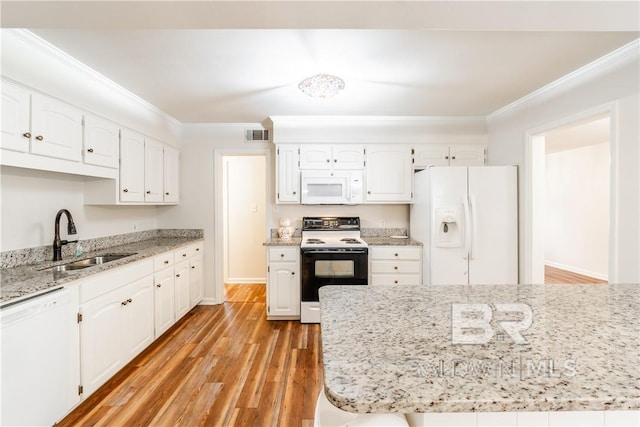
37, 360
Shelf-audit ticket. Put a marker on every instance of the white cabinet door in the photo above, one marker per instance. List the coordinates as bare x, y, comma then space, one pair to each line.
16, 104
315, 157
467, 155
101, 142
164, 300
171, 172
182, 289
56, 128
348, 157
101, 339
287, 174
430, 155
284, 289
388, 174
131, 167
153, 175
196, 279
138, 318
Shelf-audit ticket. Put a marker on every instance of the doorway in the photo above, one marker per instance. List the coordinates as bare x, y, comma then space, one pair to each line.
572, 199
244, 222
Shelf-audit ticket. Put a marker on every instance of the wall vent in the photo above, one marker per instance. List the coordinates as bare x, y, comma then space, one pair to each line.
256, 135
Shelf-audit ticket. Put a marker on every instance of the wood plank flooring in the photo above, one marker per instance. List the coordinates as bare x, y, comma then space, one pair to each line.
220, 365
553, 275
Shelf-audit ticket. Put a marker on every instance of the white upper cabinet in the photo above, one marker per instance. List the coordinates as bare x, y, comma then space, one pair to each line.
171, 172
287, 174
56, 128
467, 155
389, 175
448, 155
153, 171
325, 157
131, 166
16, 103
101, 142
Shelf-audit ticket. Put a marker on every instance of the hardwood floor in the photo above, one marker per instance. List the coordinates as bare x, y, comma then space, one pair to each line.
220, 365
553, 275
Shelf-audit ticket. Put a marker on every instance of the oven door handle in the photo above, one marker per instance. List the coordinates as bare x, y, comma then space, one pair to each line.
350, 251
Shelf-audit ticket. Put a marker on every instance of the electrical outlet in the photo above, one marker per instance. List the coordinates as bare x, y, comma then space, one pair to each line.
383, 224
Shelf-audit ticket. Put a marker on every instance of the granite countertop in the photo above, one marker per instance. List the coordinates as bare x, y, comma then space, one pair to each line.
21, 282
371, 241
549, 348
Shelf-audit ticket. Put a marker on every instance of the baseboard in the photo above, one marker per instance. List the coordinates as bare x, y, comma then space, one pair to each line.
208, 301
577, 270
246, 280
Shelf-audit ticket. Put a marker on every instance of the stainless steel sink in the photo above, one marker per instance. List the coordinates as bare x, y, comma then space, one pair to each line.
88, 262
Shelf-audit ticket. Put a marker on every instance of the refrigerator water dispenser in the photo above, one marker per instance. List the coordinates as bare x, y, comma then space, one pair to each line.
448, 224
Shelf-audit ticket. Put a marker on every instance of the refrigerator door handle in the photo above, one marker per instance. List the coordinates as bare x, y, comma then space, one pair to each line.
474, 237
467, 227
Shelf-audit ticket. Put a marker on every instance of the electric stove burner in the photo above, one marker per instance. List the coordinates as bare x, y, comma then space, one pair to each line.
315, 241
350, 240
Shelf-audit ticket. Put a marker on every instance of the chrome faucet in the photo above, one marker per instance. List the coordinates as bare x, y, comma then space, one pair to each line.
71, 229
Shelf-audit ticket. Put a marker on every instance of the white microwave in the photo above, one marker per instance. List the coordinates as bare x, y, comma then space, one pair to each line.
331, 187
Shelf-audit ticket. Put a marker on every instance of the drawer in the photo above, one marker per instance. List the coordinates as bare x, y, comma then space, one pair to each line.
181, 254
283, 254
395, 279
195, 249
395, 252
107, 281
404, 267
163, 261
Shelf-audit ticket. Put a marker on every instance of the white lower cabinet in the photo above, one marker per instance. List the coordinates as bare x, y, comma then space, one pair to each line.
115, 324
283, 282
182, 289
163, 297
395, 265
196, 276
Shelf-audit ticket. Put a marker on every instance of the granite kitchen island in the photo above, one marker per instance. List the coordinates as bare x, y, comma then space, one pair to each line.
540, 349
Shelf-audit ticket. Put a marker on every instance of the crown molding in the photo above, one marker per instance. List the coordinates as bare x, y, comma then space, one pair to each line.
60, 55
600, 65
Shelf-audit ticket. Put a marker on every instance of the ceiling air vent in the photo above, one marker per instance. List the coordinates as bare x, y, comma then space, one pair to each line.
256, 135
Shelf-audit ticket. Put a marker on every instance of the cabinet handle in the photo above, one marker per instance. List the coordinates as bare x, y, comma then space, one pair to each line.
395, 267
335, 160
184, 255
193, 267
126, 190
148, 191
125, 302
166, 194
166, 261
197, 249
328, 160
39, 137
453, 157
293, 273
90, 150
368, 192
177, 275
27, 134
294, 193
281, 255
395, 281
396, 254
446, 157
158, 285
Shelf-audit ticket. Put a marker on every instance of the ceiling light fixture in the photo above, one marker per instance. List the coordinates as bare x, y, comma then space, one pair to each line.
322, 86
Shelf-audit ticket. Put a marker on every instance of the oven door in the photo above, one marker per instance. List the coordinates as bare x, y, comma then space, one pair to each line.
322, 267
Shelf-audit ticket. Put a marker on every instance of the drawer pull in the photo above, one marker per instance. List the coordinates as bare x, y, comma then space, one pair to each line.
281, 255
126, 190
293, 273
90, 150
396, 254
166, 261
177, 275
184, 255
39, 137
193, 267
395, 281
27, 135
197, 249
158, 285
395, 267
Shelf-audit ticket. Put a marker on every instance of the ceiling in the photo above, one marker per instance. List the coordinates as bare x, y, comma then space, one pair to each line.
224, 62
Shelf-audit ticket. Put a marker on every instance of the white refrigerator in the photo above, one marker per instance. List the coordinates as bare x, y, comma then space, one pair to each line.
467, 219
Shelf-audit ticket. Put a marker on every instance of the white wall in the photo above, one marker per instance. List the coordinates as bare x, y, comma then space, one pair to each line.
245, 219
577, 210
30, 200
612, 80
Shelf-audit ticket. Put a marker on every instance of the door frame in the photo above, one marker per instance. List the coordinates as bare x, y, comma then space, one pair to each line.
218, 210
532, 228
